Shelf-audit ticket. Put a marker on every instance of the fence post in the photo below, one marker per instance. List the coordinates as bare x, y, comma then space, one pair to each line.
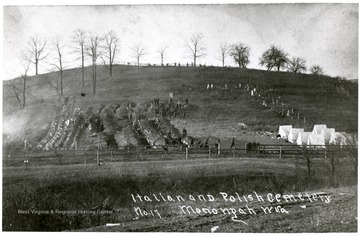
234, 152
186, 152
245, 148
97, 157
325, 153
111, 155
26, 163
209, 152
259, 150
280, 152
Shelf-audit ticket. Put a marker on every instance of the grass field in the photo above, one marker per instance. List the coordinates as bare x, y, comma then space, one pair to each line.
109, 187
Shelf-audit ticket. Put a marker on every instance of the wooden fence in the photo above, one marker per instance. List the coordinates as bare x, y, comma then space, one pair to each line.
152, 153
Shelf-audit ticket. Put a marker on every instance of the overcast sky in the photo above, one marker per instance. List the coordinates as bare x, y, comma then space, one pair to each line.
323, 34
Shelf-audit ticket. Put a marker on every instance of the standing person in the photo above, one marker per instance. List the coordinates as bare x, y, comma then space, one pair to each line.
184, 132
233, 143
217, 146
25, 144
207, 143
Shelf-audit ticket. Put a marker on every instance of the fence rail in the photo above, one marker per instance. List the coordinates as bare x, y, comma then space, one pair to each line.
151, 153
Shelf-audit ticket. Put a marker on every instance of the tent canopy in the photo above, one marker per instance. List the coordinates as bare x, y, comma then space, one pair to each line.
336, 138
302, 138
284, 130
315, 139
293, 134
327, 133
318, 128
348, 139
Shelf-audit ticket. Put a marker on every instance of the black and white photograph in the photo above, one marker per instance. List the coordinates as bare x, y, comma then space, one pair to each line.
186, 117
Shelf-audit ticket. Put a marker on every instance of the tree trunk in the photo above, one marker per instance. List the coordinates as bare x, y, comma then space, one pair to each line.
332, 177
82, 67
194, 61
308, 166
36, 66
58, 87
61, 83
24, 91
17, 96
61, 76
111, 57
94, 78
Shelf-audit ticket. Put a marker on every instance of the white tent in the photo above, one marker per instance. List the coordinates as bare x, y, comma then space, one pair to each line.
302, 138
293, 134
284, 130
348, 139
336, 138
327, 133
315, 139
318, 128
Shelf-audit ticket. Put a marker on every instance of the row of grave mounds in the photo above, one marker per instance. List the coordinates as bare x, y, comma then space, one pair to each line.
126, 137
171, 134
56, 136
112, 125
151, 134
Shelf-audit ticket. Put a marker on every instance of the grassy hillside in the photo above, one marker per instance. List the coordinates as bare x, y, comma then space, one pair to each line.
211, 113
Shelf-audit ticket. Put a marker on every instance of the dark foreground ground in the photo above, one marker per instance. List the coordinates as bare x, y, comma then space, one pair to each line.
88, 197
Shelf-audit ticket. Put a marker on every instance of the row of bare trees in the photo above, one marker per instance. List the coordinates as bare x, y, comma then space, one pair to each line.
85, 46
82, 45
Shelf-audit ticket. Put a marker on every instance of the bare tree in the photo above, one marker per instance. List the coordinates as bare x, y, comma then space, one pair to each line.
297, 65
240, 53
93, 50
17, 91
59, 48
196, 47
79, 40
274, 57
20, 93
138, 50
224, 51
161, 50
55, 85
316, 70
37, 51
26, 66
111, 42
